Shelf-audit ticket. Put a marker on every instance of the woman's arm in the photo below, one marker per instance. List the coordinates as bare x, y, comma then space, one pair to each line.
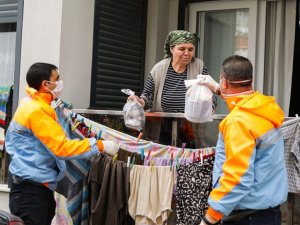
148, 92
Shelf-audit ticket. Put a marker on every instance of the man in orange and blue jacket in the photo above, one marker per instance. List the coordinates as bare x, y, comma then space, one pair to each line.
38, 147
249, 177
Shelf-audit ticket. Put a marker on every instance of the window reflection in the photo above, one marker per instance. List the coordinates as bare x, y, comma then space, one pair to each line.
222, 33
7, 53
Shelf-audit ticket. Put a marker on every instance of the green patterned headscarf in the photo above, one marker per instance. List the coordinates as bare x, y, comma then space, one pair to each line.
176, 37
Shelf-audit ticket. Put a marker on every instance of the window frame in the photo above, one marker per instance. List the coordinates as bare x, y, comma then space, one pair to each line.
256, 41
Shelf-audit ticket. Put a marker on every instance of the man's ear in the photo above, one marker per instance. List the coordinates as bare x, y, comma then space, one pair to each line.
43, 85
225, 84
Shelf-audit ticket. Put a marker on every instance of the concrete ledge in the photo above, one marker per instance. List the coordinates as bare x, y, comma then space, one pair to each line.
4, 196
4, 188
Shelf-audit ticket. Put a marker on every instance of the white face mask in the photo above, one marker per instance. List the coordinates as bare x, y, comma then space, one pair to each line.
56, 92
236, 94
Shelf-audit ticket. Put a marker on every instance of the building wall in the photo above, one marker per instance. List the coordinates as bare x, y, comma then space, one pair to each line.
76, 51
41, 35
4, 197
162, 18
61, 33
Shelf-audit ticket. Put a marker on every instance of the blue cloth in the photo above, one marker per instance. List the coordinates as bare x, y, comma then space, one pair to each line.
5, 92
74, 185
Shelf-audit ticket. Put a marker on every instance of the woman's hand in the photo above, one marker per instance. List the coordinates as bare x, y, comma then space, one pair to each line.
139, 100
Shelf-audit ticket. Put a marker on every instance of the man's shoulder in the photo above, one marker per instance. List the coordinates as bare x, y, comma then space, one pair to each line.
30, 105
234, 118
32, 108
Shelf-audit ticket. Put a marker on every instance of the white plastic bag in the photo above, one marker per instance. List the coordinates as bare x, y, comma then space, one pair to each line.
133, 112
198, 102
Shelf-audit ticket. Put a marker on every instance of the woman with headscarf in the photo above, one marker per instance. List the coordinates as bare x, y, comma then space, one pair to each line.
164, 90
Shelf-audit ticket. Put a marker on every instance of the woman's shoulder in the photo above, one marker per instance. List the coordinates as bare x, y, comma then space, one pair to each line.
161, 64
197, 61
196, 64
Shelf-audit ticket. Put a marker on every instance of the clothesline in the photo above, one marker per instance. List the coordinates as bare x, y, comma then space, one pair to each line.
291, 121
130, 143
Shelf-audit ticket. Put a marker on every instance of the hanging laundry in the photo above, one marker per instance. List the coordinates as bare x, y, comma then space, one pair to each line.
194, 183
123, 156
1, 139
109, 185
144, 150
5, 100
74, 186
151, 190
62, 216
165, 161
291, 136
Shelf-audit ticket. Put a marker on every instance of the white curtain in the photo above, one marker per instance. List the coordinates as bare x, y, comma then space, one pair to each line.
7, 57
280, 37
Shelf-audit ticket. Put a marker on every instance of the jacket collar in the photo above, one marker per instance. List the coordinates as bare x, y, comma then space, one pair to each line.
43, 96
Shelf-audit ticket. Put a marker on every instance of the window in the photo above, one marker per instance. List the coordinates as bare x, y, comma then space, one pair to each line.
263, 31
7, 53
224, 29
118, 51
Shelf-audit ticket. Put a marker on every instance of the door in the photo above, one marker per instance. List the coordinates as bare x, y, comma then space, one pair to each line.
224, 28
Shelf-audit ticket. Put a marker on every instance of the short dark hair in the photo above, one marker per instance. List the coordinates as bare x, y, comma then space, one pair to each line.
39, 72
237, 68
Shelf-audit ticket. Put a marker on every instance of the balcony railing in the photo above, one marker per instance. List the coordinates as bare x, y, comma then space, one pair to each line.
164, 128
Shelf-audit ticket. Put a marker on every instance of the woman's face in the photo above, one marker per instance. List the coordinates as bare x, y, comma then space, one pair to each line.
183, 53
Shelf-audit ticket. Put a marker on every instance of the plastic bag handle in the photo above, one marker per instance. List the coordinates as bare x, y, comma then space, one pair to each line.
127, 91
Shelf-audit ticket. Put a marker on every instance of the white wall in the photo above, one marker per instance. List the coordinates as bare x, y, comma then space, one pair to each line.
4, 198
162, 18
40, 35
76, 51
61, 33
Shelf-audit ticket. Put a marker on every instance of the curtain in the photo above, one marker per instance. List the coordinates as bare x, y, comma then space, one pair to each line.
280, 37
7, 58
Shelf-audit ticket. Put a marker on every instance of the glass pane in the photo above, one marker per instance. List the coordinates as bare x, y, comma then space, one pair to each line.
7, 53
222, 33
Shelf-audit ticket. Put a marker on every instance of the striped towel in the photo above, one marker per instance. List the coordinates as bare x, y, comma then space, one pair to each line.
1, 139
4, 97
74, 185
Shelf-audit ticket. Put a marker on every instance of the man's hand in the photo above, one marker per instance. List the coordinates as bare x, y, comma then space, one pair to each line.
110, 147
208, 81
208, 220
